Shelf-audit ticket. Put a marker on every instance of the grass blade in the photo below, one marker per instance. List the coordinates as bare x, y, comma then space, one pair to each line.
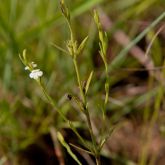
117, 62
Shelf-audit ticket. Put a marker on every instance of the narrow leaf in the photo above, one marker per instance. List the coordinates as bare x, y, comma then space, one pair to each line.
107, 92
62, 141
23, 57
85, 144
59, 48
104, 140
24, 54
88, 82
82, 45
81, 149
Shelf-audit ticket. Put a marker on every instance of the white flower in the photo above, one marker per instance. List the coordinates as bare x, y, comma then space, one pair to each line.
34, 65
35, 74
27, 68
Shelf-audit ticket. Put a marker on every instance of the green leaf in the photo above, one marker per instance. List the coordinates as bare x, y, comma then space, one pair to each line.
23, 57
81, 149
82, 45
59, 48
107, 92
88, 82
62, 141
104, 140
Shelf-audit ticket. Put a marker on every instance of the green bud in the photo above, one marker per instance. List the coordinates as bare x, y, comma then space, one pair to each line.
64, 10
70, 47
96, 17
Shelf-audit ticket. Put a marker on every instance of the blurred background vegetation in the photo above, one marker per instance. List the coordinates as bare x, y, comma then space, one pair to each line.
136, 104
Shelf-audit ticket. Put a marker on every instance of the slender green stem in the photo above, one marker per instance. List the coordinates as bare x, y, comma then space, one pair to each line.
50, 100
83, 96
85, 105
71, 31
106, 89
79, 81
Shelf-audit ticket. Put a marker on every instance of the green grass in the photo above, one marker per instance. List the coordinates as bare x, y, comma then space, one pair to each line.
134, 94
